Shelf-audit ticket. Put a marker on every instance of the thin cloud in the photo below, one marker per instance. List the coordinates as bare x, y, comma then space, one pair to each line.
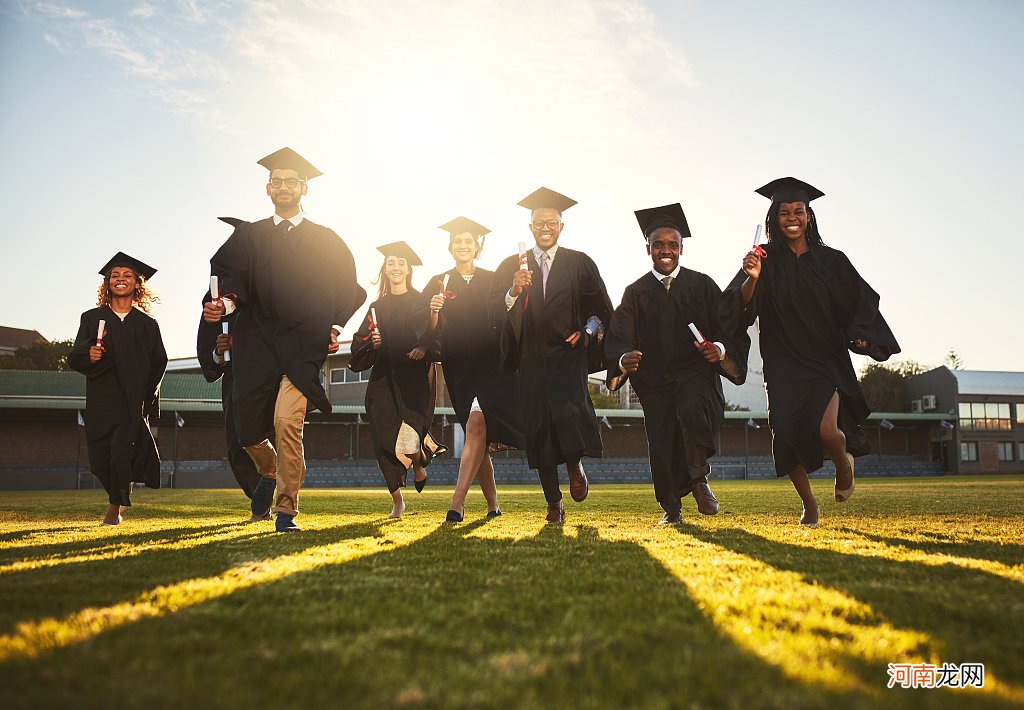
143, 10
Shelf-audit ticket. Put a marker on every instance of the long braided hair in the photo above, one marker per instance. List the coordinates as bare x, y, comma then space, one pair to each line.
771, 227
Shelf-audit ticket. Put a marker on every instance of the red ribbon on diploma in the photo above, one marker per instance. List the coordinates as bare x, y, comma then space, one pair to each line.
373, 325
447, 294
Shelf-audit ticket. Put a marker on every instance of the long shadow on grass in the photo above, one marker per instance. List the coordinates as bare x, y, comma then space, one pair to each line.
68, 588
971, 615
98, 545
455, 618
1006, 553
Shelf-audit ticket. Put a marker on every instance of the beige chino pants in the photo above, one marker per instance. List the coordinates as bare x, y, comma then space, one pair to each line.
287, 463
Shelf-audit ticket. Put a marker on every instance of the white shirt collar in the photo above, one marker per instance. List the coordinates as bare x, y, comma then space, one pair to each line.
674, 273
537, 251
296, 220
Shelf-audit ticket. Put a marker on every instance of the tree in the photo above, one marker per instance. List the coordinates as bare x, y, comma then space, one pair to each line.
40, 355
601, 397
953, 361
884, 384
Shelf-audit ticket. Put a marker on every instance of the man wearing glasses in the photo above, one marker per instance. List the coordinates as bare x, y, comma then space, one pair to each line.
556, 305
293, 285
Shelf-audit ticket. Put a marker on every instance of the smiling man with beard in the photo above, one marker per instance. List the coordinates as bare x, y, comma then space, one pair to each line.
293, 284
675, 377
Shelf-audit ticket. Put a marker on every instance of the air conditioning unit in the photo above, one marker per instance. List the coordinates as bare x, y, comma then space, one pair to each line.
928, 402
915, 406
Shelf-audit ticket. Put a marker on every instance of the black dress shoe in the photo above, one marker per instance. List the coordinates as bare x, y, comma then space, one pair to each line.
707, 504
454, 516
494, 513
419, 484
671, 519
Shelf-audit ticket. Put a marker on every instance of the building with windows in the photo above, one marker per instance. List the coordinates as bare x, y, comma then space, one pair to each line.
987, 434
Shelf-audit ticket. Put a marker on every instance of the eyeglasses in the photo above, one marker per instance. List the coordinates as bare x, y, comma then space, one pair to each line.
290, 183
550, 224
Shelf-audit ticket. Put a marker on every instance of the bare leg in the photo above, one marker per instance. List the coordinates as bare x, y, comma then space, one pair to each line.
113, 516
473, 453
398, 503
833, 441
485, 477
419, 473
802, 484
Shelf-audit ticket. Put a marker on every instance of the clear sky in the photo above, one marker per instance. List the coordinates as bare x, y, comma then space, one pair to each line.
134, 125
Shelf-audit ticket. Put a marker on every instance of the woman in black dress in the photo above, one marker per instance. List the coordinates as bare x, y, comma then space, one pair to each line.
813, 309
485, 399
120, 351
400, 395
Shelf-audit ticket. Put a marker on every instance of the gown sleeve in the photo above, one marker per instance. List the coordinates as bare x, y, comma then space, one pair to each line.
620, 338
363, 354
231, 265
78, 358
734, 366
855, 305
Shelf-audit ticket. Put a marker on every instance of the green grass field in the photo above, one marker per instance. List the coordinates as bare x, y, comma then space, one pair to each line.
182, 605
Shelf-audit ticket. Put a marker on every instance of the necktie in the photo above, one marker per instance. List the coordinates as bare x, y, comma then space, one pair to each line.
667, 280
285, 226
544, 268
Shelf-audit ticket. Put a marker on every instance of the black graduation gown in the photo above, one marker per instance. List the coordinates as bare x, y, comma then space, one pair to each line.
680, 391
121, 397
470, 355
400, 389
241, 463
558, 416
810, 308
290, 288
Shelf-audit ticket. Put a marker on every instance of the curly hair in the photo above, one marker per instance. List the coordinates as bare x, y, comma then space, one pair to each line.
143, 298
771, 225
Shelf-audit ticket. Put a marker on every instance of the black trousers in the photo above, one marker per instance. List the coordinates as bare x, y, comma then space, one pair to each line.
680, 437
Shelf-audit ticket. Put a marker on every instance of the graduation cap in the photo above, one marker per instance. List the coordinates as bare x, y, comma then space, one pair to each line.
121, 259
288, 159
402, 250
544, 197
460, 225
233, 221
664, 216
789, 189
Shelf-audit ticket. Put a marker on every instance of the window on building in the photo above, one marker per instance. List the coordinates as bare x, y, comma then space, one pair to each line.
985, 416
344, 376
968, 451
1020, 413
1020, 451
1005, 450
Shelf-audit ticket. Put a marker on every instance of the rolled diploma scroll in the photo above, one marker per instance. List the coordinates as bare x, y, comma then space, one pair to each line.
214, 291
523, 266
757, 248
696, 334
224, 329
99, 331
373, 320
444, 290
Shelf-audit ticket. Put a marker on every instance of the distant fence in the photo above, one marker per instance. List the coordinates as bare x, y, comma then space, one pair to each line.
508, 469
